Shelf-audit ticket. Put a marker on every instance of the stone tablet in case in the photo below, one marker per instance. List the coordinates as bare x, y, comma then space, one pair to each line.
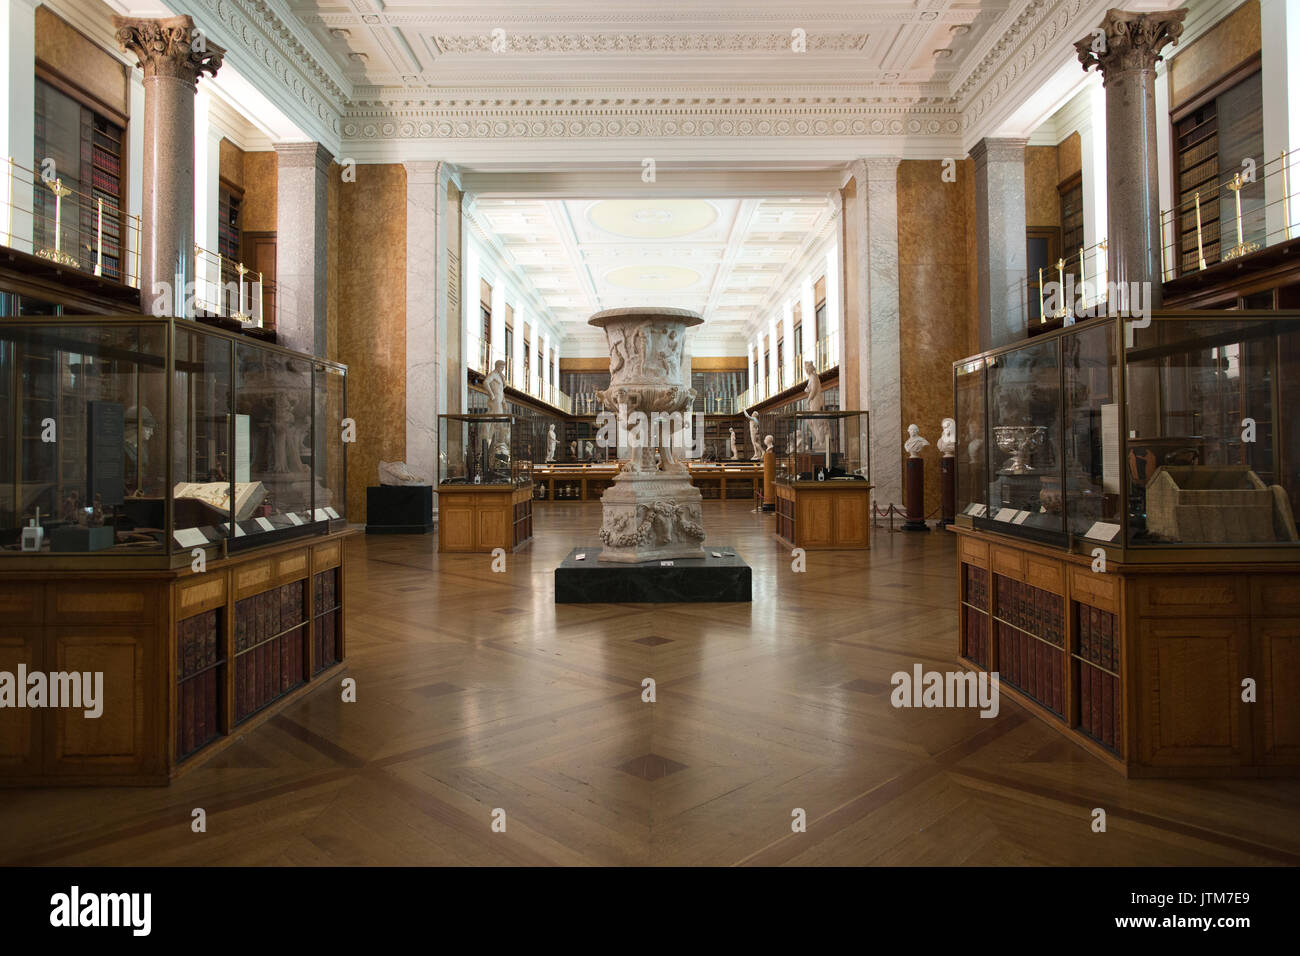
105, 430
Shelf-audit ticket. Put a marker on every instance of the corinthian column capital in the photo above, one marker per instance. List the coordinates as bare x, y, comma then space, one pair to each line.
1128, 41
169, 46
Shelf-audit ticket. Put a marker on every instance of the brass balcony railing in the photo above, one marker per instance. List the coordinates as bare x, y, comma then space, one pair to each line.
227, 288
1071, 285
54, 220
1250, 210
826, 356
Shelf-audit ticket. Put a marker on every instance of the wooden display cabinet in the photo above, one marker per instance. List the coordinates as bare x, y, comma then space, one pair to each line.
823, 515
1143, 664
164, 640
475, 518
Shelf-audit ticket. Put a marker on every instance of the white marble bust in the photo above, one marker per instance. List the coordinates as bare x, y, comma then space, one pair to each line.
947, 443
915, 444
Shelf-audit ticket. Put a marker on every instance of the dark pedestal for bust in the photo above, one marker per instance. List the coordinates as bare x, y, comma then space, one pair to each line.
399, 509
705, 579
914, 492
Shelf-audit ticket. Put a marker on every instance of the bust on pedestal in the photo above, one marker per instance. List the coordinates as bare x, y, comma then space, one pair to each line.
947, 445
914, 488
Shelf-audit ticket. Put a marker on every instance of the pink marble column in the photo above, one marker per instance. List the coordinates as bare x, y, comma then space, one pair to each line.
172, 66
1126, 49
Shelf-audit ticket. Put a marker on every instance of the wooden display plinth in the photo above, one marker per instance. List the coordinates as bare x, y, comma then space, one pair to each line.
186, 658
824, 515
1142, 664
484, 517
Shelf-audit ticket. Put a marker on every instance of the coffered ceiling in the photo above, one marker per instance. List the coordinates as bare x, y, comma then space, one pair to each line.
724, 258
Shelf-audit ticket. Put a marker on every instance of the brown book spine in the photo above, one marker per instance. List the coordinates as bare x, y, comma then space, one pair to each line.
187, 718
1117, 720
1085, 698
1097, 677
1108, 640
1107, 709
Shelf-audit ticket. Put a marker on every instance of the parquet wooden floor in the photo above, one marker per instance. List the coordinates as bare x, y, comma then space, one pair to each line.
475, 692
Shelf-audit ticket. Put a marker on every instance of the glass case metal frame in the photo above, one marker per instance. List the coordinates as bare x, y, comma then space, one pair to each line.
1126, 346
232, 535
785, 425
521, 463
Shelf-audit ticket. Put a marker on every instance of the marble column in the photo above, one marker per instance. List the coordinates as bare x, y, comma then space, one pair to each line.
1126, 52
426, 313
166, 51
301, 245
883, 376
1002, 255
17, 111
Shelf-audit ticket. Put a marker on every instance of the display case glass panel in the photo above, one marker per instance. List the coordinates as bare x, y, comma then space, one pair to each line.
1091, 438
144, 436
822, 446
1143, 437
972, 456
1025, 424
482, 450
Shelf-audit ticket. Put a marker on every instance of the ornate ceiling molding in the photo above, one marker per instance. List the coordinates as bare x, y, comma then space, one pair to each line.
1043, 34
531, 16
264, 43
668, 43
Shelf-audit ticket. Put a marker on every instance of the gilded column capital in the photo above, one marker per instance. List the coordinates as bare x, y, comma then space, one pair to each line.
1128, 41
168, 46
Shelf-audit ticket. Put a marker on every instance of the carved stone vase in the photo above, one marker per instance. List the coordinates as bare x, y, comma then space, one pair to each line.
651, 512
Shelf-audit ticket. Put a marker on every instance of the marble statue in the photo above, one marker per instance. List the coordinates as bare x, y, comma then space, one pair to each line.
551, 442
590, 450
397, 473
947, 443
769, 444
819, 430
915, 444
651, 511
495, 383
735, 452
573, 450
753, 436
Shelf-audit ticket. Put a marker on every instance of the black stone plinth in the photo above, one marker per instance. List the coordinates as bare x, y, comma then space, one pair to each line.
705, 579
399, 509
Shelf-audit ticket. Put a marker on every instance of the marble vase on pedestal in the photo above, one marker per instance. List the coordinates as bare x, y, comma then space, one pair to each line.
650, 512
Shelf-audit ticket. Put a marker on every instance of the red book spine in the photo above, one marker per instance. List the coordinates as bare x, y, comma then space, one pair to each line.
1108, 640
187, 717
1107, 709
1097, 677
1085, 698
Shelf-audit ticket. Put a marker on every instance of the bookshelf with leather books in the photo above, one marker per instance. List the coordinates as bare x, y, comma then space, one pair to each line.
169, 541
1128, 556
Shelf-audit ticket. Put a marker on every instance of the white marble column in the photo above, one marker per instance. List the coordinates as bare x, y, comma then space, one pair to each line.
17, 114
1280, 69
207, 199
1002, 252
301, 245
498, 322
883, 377
787, 333
426, 312
1092, 150
806, 344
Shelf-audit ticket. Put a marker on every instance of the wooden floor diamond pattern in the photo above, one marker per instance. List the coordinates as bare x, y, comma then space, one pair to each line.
475, 692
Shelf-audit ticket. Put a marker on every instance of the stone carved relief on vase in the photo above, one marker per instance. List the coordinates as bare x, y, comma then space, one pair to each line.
651, 511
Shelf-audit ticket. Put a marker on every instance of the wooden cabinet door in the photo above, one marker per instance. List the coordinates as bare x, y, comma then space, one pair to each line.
21, 728
852, 521
815, 520
128, 737
1189, 707
1277, 644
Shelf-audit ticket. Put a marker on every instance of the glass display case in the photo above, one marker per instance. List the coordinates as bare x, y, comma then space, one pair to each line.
822, 446
484, 450
142, 436
1151, 439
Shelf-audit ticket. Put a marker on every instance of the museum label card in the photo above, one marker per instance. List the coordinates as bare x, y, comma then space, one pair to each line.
1103, 531
331, 512
665, 564
1020, 517
266, 524
293, 517
190, 537
580, 557
1005, 514
320, 515
715, 554
976, 510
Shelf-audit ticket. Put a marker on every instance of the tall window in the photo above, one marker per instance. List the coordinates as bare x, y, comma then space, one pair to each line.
780, 363
485, 335
798, 339
528, 355
1213, 134
83, 149
754, 383
510, 344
